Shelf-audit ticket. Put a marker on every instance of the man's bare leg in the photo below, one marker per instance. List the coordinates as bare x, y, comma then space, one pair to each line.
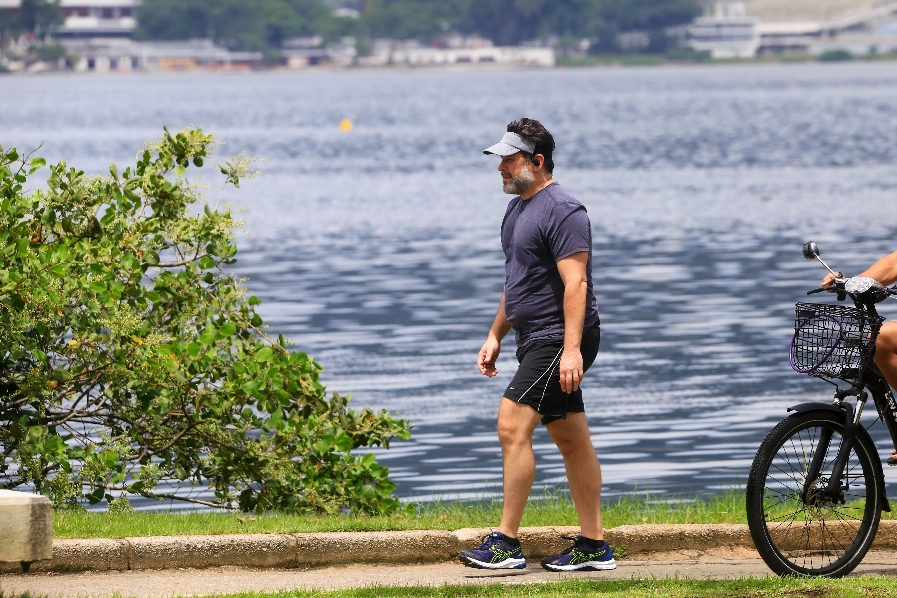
572, 438
886, 356
516, 423
886, 352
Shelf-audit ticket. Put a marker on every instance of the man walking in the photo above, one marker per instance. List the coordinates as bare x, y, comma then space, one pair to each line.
548, 301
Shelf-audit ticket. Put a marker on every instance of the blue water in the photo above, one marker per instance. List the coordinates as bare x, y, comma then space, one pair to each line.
378, 252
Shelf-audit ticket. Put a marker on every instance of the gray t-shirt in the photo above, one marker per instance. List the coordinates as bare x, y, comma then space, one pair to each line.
535, 234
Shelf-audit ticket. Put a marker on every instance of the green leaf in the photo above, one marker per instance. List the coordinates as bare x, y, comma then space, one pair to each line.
151, 257
36, 164
61, 375
264, 354
227, 330
39, 355
61, 253
97, 286
276, 419
96, 496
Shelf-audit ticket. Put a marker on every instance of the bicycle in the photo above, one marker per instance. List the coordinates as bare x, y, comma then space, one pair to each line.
816, 488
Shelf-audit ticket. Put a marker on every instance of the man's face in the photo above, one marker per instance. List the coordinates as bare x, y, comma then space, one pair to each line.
516, 175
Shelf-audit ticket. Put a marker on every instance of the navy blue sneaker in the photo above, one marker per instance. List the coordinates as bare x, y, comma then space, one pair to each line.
494, 553
582, 556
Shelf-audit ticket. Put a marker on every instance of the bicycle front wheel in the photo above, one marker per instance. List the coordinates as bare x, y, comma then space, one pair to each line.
797, 529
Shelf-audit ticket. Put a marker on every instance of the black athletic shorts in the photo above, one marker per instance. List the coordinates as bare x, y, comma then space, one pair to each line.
537, 382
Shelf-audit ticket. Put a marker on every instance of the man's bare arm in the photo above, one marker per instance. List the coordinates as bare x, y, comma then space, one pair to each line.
573, 274
492, 347
884, 271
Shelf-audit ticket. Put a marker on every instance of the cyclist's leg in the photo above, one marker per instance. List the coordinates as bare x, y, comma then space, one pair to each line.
886, 352
516, 423
886, 355
571, 435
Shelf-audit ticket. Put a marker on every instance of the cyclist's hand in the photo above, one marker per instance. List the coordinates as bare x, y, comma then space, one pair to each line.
571, 371
488, 355
828, 280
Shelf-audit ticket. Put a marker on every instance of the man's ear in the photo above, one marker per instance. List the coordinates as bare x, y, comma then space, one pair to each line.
538, 161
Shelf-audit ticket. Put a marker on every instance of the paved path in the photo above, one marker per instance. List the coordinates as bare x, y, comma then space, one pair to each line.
721, 564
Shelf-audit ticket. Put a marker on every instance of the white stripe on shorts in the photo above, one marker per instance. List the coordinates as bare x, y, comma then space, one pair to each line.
554, 363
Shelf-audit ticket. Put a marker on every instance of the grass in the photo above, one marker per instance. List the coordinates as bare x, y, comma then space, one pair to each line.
852, 587
551, 509
856, 587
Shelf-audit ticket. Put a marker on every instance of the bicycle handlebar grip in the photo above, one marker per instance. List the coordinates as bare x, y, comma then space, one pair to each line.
819, 290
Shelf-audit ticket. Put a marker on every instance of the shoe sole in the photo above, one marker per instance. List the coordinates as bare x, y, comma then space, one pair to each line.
505, 564
587, 566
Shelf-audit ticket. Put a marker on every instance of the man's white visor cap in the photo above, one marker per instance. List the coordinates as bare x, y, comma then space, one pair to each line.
510, 144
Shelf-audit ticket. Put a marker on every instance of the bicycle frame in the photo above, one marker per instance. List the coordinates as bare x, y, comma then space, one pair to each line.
872, 379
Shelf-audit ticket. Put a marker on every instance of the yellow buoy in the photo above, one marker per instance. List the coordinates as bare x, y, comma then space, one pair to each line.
345, 125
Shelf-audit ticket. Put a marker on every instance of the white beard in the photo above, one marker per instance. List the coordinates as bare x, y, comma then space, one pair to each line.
521, 182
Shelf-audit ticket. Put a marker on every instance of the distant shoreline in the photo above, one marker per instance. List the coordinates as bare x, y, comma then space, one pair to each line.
603, 61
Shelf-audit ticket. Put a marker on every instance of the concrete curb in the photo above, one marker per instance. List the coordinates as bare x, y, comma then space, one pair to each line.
287, 551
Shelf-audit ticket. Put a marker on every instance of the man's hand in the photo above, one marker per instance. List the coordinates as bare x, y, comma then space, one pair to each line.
828, 280
571, 371
488, 355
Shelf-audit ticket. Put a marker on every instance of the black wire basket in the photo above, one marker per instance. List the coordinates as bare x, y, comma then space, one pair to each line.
831, 341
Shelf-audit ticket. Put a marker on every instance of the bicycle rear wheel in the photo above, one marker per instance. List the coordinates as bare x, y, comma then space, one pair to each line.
811, 535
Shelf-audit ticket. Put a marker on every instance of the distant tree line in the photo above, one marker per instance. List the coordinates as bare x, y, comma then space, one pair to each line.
35, 17
509, 22
264, 24
236, 24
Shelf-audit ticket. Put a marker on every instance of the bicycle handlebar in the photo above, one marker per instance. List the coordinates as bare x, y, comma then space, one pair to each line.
873, 289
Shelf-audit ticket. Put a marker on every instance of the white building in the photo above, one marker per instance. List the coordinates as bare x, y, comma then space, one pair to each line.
92, 18
813, 26
725, 30
387, 52
104, 54
98, 18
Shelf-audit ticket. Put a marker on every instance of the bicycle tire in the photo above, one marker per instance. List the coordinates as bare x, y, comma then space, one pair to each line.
797, 537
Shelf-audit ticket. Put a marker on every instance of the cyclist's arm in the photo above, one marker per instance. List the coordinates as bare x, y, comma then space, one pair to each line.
492, 347
884, 270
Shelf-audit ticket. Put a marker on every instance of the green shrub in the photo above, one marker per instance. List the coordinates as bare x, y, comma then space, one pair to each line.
51, 52
129, 356
688, 54
835, 56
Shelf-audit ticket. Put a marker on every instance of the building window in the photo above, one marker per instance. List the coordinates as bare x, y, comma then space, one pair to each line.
108, 13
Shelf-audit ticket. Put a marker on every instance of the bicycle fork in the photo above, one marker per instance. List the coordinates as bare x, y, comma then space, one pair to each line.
833, 489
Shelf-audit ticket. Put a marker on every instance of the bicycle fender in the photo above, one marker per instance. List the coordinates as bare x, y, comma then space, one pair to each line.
804, 407
876, 463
